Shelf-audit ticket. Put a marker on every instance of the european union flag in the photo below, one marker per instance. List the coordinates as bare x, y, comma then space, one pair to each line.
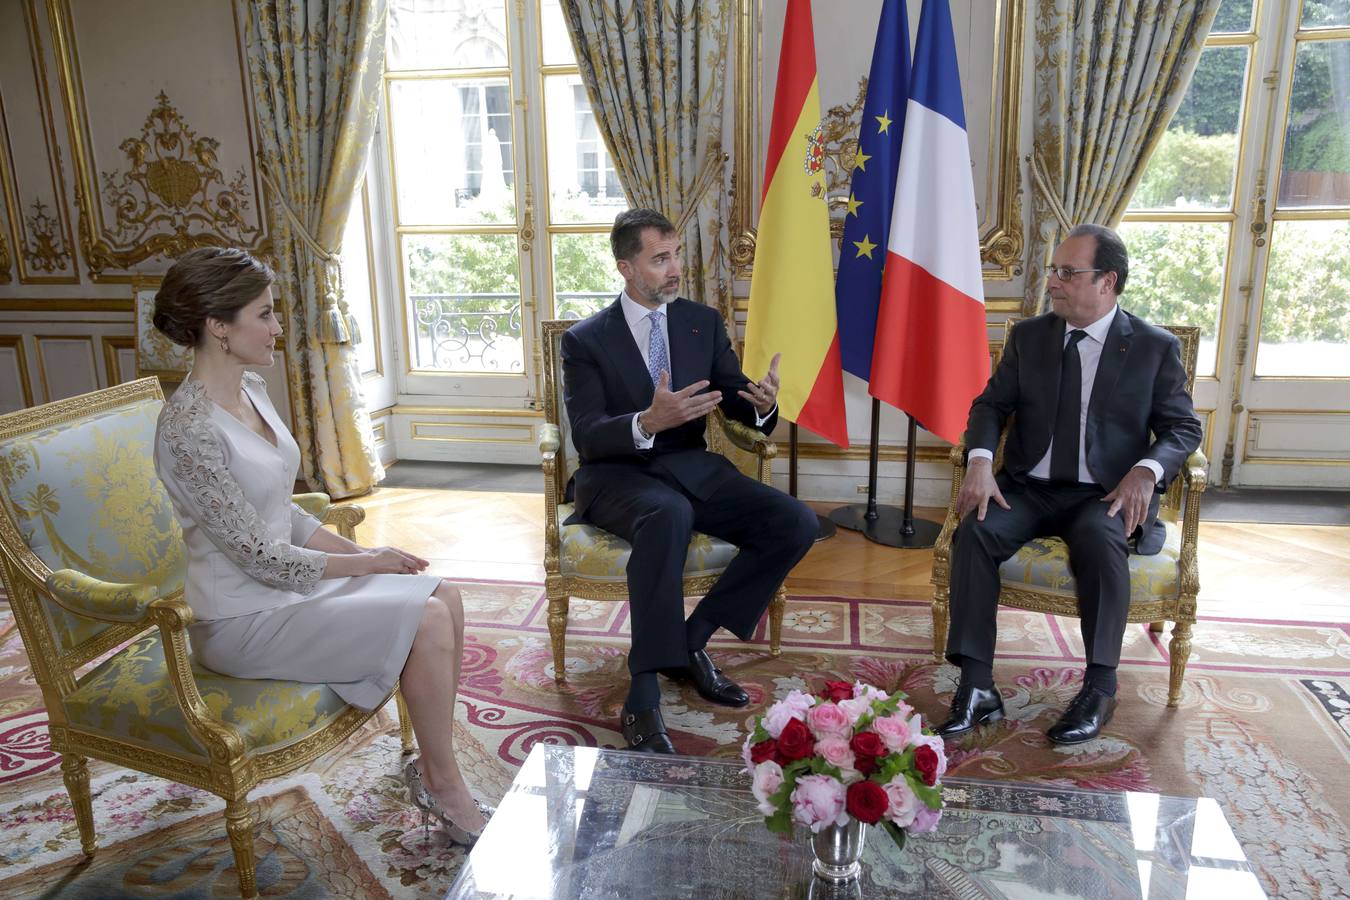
867, 225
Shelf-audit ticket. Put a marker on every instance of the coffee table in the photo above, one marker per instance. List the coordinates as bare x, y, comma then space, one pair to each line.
585, 823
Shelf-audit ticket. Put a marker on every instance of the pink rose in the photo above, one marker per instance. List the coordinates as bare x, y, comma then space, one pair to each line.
925, 819
904, 804
904, 711
767, 779
855, 708
834, 748
818, 801
866, 690
893, 731
938, 747
793, 706
827, 718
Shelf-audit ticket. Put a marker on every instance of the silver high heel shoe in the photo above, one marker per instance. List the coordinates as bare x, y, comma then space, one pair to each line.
423, 800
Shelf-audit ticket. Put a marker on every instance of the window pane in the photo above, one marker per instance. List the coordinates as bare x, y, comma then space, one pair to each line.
356, 284
453, 151
1233, 15
1192, 166
1305, 314
1316, 164
584, 277
1176, 277
556, 37
463, 302
583, 186
1319, 13
447, 34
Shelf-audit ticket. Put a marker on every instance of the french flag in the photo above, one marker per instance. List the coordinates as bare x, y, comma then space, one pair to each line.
931, 356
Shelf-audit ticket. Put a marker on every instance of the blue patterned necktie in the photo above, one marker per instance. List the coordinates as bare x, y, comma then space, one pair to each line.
657, 358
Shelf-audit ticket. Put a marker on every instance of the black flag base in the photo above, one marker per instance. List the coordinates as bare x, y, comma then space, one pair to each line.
889, 528
824, 528
854, 515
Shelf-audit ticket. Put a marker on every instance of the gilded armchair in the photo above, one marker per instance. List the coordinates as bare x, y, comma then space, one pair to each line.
590, 563
92, 559
1163, 587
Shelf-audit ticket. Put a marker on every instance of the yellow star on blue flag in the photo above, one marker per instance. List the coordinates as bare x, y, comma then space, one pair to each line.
883, 123
865, 247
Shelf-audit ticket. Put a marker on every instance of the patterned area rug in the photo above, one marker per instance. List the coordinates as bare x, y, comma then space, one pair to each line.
1264, 728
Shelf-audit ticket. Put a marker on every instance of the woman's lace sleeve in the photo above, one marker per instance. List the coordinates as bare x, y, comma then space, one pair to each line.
197, 476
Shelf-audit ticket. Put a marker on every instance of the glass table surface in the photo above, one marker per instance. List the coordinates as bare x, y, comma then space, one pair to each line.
585, 823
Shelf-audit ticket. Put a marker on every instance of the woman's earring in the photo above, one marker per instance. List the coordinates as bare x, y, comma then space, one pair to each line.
225, 346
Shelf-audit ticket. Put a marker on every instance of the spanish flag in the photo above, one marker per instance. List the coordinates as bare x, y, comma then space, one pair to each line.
792, 290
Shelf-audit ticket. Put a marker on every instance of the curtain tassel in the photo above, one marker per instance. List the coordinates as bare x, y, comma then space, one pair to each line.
333, 326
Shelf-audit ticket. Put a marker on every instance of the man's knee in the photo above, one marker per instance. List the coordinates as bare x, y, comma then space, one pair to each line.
803, 525
671, 518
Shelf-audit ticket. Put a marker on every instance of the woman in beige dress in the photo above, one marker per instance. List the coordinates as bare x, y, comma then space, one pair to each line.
273, 594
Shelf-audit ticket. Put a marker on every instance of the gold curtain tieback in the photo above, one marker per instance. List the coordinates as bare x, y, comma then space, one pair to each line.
1041, 178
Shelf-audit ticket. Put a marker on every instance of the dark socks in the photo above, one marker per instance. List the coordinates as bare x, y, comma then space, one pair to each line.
1103, 678
977, 673
697, 631
644, 692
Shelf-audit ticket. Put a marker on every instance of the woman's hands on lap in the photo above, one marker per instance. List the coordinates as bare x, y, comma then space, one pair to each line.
393, 561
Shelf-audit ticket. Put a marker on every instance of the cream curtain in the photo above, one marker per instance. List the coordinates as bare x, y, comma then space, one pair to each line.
1109, 75
655, 71
316, 67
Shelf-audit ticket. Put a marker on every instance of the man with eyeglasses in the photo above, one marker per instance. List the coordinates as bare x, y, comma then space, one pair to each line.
1103, 423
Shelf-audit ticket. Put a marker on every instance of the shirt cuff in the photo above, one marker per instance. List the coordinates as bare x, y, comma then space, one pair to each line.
979, 453
640, 442
760, 420
1153, 466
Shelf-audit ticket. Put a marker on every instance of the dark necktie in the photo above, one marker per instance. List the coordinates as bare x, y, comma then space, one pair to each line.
1064, 452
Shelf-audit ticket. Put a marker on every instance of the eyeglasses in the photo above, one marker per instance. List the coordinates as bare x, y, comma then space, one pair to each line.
1066, 273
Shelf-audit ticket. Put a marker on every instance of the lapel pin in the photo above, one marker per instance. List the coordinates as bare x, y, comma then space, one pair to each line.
695, 331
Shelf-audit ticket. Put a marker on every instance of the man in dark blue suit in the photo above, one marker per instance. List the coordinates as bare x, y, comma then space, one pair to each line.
1102, 424
639, 379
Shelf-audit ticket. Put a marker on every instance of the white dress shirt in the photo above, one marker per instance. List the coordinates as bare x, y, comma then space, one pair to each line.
1089, 354
636, 315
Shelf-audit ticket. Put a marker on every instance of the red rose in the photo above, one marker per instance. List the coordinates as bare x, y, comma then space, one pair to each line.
866, 801
838, 690
764, 751
795, 742
867, 749
926, 761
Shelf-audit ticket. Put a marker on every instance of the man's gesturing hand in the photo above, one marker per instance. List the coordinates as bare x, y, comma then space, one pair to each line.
1132, 496
672, 408
764, 393
978, 488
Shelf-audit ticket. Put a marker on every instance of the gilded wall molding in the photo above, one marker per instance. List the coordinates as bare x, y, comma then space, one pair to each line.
15, 342
43, 240
169, 195
1002, 238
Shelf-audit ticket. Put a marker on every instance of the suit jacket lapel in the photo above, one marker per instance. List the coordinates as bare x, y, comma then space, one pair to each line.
684, 341
623, 352
1115, 351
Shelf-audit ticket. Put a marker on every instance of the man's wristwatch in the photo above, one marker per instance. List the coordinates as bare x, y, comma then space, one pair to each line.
646, 435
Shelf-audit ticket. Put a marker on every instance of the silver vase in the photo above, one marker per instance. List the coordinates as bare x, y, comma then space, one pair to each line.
838, 850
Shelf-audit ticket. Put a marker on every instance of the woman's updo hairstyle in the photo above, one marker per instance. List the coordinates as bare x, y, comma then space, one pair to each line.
214, 282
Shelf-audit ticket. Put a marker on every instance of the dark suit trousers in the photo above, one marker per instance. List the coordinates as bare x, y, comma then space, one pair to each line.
1098, 556
650, 510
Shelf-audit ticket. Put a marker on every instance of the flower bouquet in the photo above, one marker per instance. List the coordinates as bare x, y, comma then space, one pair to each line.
850, 752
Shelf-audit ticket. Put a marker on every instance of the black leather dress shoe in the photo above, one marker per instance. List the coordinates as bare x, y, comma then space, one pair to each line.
1086, 716
970, 707
644, 731
711, 683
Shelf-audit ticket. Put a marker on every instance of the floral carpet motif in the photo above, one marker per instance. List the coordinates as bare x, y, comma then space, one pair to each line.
1264, 727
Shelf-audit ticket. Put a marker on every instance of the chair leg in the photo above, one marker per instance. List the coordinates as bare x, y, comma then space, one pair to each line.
405, 729
940, 607
557, 632
76, 773
776, 609
1180, 650
239, 824
1157, 627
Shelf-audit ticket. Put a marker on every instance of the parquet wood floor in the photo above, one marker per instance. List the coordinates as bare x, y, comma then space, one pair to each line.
1287, 572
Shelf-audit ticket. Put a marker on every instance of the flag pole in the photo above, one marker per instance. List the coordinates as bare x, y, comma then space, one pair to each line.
902, 529
824, 527
858, 516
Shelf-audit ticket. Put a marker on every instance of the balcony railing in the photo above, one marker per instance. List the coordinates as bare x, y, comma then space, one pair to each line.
481, 332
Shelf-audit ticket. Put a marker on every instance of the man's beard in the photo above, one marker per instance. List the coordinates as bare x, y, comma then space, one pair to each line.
664, 296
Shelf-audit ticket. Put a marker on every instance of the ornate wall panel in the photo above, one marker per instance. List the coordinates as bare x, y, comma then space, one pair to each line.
119, 359
160, 130
16, 389
40, 246
67, 365
989, 35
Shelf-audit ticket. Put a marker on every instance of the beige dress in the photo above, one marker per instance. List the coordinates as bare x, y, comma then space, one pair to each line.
262, 607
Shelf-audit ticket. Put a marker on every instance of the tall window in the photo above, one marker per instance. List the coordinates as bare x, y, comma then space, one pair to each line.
479, 161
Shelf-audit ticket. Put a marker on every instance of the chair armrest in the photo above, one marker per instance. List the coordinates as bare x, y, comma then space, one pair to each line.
550, 439
751, 440
316, 503
1196, 472
101, 600
344, 518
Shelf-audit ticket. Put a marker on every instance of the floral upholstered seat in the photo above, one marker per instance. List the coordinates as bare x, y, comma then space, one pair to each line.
92, 558
1163, 586
581, 560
